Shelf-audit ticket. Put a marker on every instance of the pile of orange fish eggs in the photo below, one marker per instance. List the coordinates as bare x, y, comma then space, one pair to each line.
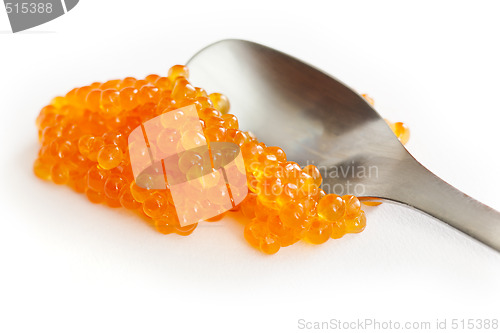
84, 135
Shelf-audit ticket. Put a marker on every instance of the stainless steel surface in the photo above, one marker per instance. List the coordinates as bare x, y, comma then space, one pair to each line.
318, 120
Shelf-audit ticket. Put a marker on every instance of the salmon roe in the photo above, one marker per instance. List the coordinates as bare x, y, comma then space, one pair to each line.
84, 135
399, 129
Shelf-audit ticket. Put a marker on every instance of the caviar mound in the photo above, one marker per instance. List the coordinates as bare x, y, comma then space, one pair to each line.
84, 136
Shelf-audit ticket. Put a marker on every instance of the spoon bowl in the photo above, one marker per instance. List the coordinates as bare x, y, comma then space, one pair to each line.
319, 120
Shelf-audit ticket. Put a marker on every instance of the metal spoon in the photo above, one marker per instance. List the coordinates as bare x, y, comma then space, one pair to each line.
318, 120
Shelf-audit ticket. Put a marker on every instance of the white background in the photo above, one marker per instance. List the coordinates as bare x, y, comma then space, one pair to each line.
67, 265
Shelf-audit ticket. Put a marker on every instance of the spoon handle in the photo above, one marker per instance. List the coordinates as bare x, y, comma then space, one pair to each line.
432, 195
